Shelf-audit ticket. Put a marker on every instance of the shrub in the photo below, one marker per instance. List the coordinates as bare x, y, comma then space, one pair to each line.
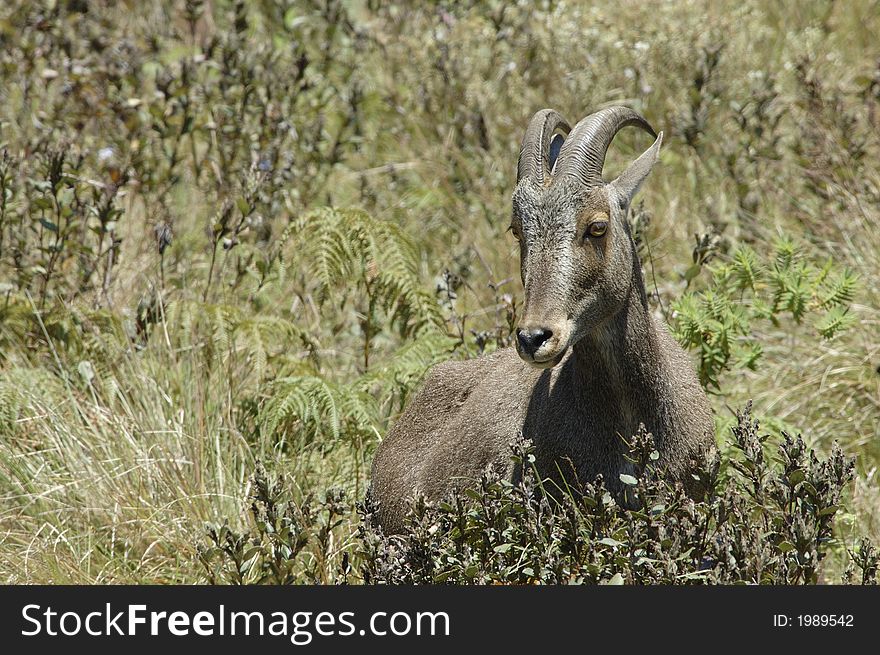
766, 518
288, 542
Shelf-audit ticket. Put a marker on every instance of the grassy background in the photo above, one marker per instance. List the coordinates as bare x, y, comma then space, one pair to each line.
176, 306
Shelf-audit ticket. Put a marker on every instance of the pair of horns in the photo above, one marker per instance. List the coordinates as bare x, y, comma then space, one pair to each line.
550, 149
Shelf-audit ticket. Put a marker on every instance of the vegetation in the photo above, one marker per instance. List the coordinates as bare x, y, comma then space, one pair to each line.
759, 523
234, 234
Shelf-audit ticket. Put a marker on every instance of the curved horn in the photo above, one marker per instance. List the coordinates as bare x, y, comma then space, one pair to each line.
583, 153
534, 155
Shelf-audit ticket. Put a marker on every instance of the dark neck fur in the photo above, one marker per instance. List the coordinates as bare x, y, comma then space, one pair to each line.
623, 354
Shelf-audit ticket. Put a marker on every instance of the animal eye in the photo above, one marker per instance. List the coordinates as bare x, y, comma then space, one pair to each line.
515, 231
597, 228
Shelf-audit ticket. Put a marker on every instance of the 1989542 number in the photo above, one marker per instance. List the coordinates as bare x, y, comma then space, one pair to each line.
814, 621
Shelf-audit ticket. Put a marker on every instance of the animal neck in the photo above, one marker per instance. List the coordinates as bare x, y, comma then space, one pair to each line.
622, 356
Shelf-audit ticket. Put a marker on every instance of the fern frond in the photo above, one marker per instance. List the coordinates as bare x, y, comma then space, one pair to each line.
316, 407
841, 290
746, 268
786, 252
225, 330
834, 321
338, 247
791, 290
713, 321
691, 321
409, 363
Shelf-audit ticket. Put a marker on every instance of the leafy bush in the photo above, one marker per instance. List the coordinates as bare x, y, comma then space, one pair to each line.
766, 518
289, 543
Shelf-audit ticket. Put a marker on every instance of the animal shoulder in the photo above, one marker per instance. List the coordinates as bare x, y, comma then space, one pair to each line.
457, 379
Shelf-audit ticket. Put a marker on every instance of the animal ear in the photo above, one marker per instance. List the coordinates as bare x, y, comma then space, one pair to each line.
555, 146
628, 182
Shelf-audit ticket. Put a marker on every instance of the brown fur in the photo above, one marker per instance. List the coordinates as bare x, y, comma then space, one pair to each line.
607, 367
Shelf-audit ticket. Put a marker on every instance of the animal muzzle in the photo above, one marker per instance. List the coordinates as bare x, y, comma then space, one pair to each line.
542, 346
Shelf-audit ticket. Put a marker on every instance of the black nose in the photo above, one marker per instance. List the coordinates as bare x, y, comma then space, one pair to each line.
531, 340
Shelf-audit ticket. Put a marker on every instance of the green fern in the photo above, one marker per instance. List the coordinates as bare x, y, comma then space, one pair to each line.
834, 321
317, 407
785, 252
397, 376
718, 321
746, 268
340, 247
839, 290
228, 330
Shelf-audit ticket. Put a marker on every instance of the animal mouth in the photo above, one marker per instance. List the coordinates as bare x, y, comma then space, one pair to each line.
548, 362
